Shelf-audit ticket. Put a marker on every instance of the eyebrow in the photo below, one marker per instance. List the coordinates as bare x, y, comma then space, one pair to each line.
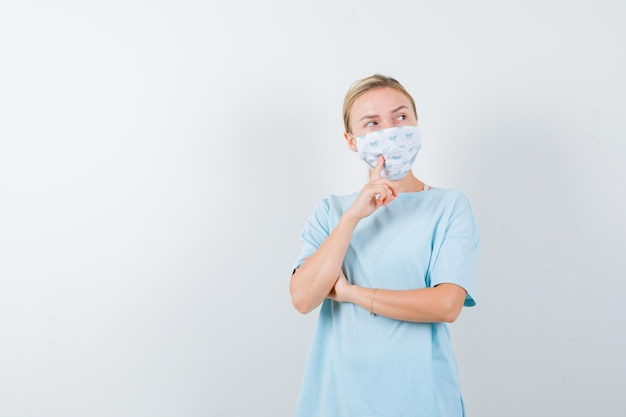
373, 116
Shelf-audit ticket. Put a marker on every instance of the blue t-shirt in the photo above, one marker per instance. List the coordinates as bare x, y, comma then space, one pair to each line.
361, 365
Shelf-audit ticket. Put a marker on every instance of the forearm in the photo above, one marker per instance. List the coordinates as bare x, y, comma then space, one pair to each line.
315, 278
442, 303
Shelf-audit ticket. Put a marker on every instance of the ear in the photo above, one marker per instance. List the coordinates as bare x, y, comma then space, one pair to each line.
351, 141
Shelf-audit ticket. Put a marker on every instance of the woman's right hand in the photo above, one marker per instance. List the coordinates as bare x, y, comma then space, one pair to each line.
317, 277
376, 193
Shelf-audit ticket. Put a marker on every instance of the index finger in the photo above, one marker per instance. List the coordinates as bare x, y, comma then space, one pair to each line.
379, 167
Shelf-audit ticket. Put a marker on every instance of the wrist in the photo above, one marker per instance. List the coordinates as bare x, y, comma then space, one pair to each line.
350, 219
372, 302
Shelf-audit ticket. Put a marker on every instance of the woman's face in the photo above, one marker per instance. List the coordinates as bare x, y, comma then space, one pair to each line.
381, 108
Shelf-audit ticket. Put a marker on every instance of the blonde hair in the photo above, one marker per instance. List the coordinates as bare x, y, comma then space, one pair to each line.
360, 87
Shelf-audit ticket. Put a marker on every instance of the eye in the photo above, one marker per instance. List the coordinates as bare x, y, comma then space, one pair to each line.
372, 124
401, 117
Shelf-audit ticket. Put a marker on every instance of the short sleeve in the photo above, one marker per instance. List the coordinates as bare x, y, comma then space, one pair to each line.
457, 255
315, 231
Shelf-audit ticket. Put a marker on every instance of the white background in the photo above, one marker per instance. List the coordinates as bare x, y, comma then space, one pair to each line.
159, 158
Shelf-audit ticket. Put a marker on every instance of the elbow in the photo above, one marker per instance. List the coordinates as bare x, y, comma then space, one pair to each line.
450, 317
451, 312
299, 302
302, 304
451, 300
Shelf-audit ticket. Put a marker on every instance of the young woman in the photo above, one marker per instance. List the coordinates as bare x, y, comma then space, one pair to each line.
391, 265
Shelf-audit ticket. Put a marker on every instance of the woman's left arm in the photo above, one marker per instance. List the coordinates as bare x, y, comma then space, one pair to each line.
442, 303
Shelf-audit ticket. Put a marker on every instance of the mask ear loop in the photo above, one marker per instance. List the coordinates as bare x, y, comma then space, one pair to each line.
356, 141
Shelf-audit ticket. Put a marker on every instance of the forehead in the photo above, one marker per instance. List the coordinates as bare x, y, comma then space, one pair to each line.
379, 101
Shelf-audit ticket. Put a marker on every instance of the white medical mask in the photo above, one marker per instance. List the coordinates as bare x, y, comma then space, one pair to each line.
398, 145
